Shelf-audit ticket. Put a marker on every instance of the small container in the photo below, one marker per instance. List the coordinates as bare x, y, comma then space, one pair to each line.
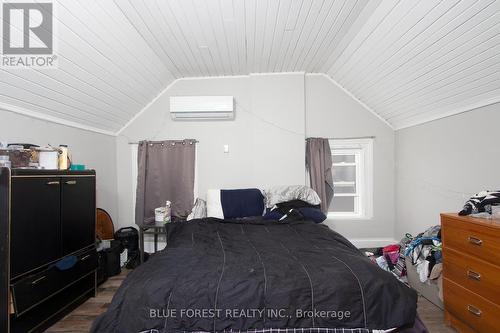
63, 162
160, 214
168, 212
5, 161
48, 159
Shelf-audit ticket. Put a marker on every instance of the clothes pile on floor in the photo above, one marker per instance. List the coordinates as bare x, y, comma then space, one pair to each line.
423, 251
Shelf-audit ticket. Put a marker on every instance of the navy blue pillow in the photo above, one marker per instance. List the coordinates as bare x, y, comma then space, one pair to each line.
314, 214
242, 203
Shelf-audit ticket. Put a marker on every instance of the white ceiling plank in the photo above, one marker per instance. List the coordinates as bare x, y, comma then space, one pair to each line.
55, 100
296, 33
327, 19
406, 61
79, 97
109, 50
351, 19
18, 97
371, 25
397, 24
485, 86
272, 14
250, 19
429, 31
441, 56
278, 34
71, 41
479, 57
315, 19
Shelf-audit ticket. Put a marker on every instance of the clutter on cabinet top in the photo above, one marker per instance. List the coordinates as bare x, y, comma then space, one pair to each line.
484, 204
27, 155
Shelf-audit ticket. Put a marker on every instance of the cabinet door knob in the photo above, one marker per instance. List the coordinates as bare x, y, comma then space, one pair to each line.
475, 311
55, 182
70, 182
475, 241
474, 275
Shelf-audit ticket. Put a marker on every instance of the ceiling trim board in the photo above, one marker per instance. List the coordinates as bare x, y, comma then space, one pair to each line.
464, 109
355, 98
16, 109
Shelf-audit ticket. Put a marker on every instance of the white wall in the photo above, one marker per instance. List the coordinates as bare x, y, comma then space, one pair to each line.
267, 139
442, 163
96, 151
330, 112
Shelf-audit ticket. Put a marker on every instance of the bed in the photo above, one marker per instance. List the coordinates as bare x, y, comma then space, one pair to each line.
256, 275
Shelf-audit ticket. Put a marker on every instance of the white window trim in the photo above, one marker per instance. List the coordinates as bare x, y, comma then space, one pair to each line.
365, 185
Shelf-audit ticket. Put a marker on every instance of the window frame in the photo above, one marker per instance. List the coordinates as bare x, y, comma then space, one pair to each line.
362, 149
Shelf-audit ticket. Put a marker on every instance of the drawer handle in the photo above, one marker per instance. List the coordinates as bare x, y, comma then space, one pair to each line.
475, 241
55, 182
475, 311
85, 258
38, 280
473, 275
71, 182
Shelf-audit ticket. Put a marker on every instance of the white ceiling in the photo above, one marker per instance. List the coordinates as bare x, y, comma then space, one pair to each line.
409, 61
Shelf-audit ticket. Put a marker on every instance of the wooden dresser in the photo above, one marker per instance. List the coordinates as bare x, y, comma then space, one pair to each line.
471, 271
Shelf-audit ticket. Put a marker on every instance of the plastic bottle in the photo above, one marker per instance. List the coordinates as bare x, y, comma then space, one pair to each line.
168, 212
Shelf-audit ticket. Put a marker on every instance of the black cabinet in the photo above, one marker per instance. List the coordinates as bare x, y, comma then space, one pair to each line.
36, 223
47, 246
78, 207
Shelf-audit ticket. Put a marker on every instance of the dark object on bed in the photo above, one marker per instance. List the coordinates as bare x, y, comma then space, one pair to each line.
242, 203
232, 267
293, 208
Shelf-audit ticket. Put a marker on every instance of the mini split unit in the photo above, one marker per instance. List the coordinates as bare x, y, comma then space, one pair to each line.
202, 107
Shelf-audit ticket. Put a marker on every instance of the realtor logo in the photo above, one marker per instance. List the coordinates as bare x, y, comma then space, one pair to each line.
27, 32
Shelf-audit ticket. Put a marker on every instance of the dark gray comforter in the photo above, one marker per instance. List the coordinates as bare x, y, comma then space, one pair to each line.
244, 275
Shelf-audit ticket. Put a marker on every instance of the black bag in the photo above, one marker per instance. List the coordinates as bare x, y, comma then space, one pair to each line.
129, 238
109, 261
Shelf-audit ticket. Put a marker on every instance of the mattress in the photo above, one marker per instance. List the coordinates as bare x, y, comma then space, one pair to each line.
258, 276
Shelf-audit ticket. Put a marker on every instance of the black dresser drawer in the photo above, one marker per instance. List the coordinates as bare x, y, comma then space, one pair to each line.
37, 288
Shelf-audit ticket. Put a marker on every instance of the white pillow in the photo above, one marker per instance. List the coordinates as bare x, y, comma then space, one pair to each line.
279, 194
214, 204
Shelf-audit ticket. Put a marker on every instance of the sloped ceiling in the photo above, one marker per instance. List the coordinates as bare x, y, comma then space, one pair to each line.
409, 61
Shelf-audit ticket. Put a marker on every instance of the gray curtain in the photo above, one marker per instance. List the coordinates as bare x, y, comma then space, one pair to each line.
319, 165
165, 172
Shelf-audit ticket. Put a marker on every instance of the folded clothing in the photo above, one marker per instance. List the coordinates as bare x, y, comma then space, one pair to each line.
481, 203
295, 209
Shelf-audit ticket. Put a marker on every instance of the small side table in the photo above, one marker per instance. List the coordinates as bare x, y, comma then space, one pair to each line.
150, 227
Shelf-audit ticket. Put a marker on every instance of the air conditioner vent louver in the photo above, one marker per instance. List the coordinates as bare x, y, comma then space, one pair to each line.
202, 107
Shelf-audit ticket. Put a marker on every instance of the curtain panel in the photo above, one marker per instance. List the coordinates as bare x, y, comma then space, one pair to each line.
166, 171
319, 166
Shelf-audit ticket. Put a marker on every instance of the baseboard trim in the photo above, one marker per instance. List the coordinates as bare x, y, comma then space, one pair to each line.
372, 242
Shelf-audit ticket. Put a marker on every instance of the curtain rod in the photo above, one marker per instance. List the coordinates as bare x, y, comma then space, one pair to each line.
176, 141
350, 138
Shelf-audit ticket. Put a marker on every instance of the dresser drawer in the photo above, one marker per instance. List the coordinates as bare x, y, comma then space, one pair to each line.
479, 313
476, 275
36, 288
474, 239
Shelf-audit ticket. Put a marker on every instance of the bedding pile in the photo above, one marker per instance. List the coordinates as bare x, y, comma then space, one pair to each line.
258, 275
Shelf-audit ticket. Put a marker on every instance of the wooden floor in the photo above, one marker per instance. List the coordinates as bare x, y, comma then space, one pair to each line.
80, 320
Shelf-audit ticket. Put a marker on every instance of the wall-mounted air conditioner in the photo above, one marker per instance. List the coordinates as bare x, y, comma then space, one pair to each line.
201, 107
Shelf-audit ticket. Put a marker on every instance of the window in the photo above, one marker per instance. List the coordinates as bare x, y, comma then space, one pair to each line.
352, 178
